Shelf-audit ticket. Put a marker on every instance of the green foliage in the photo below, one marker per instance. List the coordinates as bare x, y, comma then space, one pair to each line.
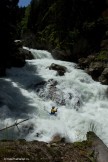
102, 56
21, 13
24, 22
62, 23
49, 35
84, 149
83, 145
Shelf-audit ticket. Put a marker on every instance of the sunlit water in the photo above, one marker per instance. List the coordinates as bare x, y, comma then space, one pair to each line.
19, 99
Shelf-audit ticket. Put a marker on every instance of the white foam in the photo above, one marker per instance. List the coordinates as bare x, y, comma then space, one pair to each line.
69, 123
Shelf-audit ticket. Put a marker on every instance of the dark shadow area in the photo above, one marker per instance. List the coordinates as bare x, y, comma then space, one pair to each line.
25, 77
12, 101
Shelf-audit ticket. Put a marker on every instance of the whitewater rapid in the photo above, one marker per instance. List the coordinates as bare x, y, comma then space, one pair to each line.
19, 99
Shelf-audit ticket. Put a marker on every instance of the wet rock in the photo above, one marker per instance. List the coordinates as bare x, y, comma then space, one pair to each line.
85, 62
104, 77
96, 64
37, 134
106, 93
40, 84
61, 54
19, 55
95, 69
48, 90
52, 82
59, 68
105, 73
26, 129
18, 43
26, 54
57, 139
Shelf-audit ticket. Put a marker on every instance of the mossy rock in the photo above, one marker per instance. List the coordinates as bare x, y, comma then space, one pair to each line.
83, 145
102, 56
85, 148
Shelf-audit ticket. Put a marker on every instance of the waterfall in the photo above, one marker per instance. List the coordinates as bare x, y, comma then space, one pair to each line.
31, 91
39, 54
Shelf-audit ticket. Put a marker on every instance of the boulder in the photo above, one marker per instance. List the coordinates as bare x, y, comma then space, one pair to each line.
96, 64
105, 73
18, 43
85, 62
18, 59
26, 53
57, 139
100, 149
59, 68
104, 76
95, 69
61, 54
49, 90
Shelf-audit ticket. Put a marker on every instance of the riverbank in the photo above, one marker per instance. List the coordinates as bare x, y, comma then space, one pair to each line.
43, 152
58, 150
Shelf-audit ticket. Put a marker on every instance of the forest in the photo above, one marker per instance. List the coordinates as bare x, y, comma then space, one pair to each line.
74, 26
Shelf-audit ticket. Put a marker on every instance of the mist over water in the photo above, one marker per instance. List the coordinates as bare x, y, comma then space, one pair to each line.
26, 93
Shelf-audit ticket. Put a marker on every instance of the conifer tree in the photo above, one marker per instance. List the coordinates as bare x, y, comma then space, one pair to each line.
8, 19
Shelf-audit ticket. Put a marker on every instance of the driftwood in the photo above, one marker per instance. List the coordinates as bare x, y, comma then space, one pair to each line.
15, 124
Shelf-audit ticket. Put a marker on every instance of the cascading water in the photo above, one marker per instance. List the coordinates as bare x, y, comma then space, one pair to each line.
31, 91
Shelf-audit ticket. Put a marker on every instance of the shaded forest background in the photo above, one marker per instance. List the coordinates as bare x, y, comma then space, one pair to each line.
74, 26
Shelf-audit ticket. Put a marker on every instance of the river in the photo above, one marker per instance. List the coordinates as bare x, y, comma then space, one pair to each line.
25, 93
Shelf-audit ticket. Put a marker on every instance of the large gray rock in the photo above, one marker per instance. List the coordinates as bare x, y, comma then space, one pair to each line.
85, 62
48, 90
95, 69
26, 53
18, 43
104, 76
61, 54
59, 68
100, 149
18, 59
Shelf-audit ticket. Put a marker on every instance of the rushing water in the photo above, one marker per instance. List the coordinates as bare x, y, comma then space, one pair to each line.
20, 99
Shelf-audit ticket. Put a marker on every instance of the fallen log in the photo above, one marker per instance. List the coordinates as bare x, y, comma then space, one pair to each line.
15, 124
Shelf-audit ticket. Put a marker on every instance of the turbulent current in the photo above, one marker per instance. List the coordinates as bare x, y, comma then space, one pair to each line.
31, 91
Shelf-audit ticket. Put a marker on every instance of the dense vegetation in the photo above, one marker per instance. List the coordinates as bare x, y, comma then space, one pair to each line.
8, 18
73, 24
